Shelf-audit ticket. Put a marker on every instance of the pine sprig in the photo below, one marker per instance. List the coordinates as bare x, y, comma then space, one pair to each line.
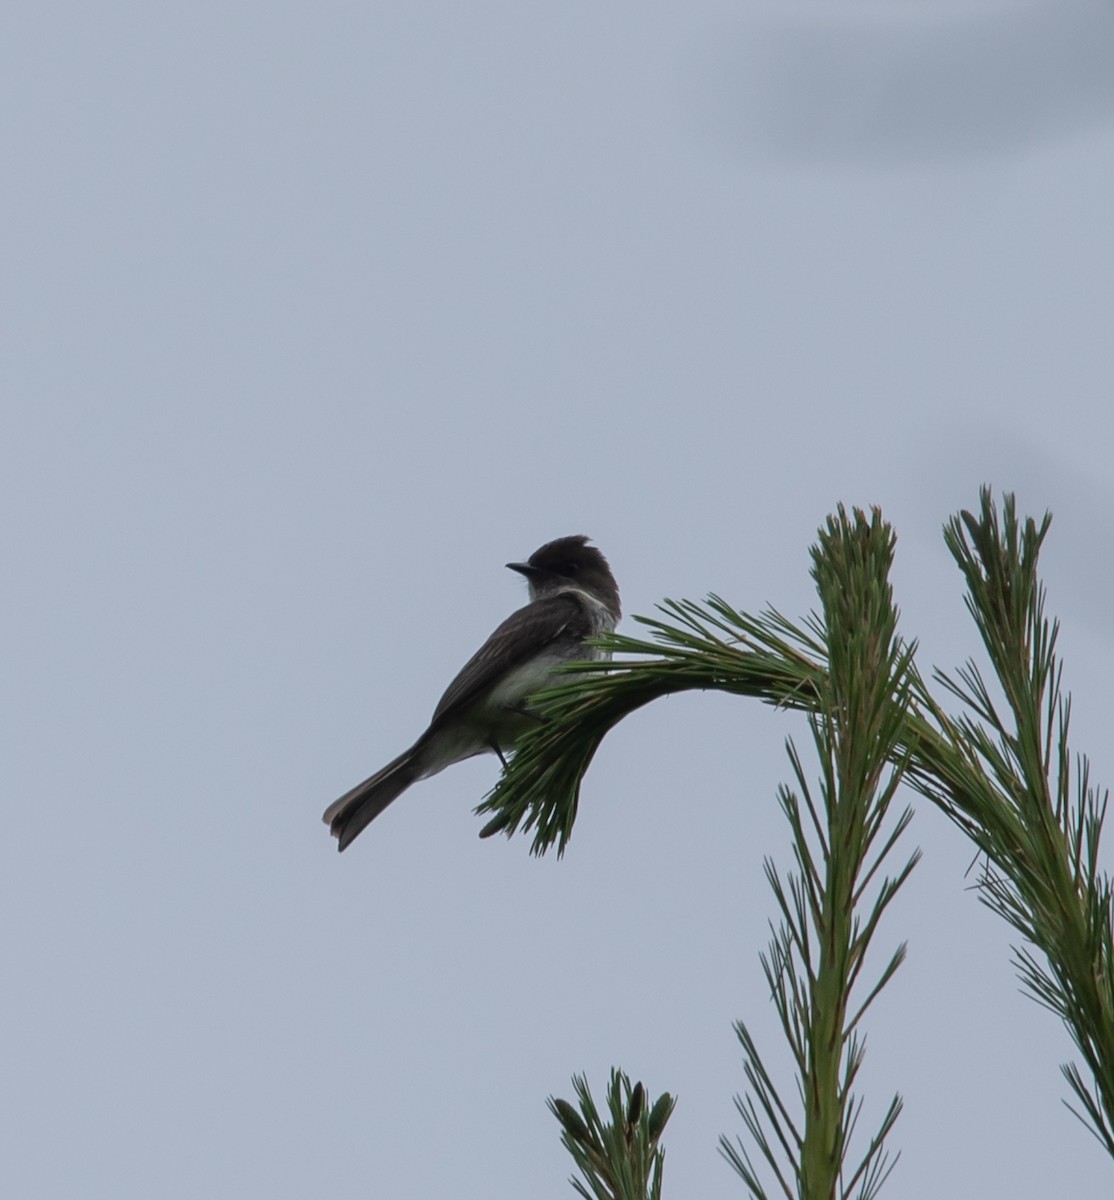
831, 904
620, 1158
1005, 772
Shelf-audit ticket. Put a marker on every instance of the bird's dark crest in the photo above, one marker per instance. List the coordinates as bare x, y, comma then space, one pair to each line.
559, 548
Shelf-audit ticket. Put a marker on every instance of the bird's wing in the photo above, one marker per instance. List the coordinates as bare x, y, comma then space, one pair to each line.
521, 636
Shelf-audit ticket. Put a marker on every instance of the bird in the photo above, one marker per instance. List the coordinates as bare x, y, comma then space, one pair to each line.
573, 596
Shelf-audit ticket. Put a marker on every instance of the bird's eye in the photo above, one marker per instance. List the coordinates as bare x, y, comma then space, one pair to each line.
572, 568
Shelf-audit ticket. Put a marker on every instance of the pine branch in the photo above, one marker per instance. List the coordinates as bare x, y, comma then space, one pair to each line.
710, 647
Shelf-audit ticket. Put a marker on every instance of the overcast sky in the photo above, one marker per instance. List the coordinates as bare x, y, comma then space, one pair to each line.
314, 316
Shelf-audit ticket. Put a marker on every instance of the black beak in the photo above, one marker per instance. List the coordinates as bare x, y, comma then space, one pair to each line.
523, 569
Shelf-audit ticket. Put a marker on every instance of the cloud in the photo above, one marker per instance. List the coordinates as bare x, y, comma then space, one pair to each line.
907, 83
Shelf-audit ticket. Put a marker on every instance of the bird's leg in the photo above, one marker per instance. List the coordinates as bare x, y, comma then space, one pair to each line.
522, 711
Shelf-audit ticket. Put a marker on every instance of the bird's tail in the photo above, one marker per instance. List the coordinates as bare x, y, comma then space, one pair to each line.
355, 810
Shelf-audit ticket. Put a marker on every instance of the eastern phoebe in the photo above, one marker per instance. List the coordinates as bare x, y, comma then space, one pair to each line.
573, 596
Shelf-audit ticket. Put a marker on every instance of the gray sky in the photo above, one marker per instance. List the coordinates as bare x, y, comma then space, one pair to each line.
316, 315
